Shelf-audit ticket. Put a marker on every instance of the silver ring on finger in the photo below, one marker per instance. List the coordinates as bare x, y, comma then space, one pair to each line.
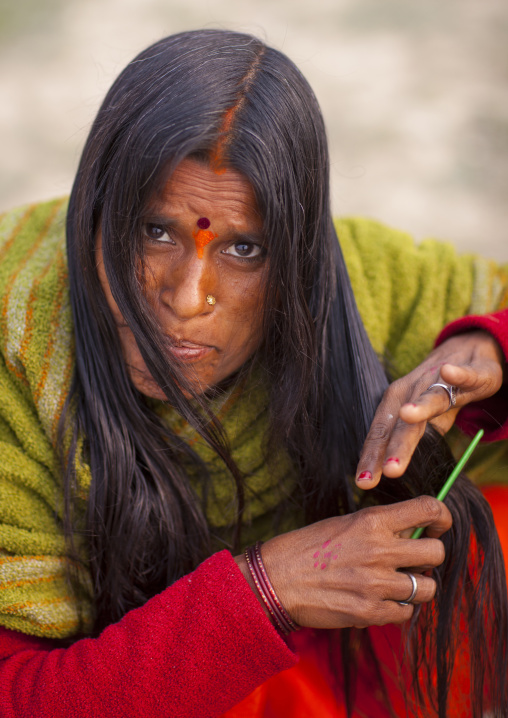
450, 390
413, 591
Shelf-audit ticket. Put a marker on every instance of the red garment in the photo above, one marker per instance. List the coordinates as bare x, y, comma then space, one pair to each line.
196, 649
489, 414
203, 645
306, 689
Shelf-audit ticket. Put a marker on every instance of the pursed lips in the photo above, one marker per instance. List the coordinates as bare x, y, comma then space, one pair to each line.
189, 351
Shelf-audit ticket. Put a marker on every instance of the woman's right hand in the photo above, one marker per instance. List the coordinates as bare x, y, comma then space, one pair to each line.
343, 571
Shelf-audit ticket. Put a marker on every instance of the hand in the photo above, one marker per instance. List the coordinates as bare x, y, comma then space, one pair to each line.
342, 571
473, 362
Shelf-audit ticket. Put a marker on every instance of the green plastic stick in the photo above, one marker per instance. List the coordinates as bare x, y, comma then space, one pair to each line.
451, 479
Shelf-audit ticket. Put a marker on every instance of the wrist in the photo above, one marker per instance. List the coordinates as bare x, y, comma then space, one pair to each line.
486, 336
261, 585
490, 328
241, 562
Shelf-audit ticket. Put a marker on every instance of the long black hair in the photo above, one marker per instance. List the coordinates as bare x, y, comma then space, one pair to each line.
230, 99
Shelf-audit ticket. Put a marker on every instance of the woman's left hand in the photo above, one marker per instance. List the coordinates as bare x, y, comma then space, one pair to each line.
473, 362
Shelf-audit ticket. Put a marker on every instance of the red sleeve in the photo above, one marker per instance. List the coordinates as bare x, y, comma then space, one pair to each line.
489, 414
196, 649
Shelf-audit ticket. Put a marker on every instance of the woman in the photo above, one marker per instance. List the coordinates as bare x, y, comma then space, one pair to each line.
214, 388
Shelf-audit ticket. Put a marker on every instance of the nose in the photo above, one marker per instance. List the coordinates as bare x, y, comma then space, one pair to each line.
187, 285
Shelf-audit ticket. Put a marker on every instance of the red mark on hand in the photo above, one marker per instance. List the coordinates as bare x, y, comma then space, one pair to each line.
326, 556
437, 366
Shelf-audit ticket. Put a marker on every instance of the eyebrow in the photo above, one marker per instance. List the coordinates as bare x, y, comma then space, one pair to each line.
154, 217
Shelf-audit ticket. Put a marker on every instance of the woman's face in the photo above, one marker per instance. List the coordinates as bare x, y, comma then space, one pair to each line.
203, 242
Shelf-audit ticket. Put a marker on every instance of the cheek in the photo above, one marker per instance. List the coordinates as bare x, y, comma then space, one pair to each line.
151, 279
246, 314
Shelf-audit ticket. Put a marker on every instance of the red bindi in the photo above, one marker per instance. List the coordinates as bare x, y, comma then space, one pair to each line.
203, 223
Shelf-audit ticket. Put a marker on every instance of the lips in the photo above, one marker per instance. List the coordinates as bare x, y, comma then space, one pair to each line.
189, 351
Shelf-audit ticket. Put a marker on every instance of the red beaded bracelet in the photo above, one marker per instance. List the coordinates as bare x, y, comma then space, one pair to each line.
257, 569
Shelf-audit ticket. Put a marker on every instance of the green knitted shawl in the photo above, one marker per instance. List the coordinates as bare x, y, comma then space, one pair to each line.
405, 294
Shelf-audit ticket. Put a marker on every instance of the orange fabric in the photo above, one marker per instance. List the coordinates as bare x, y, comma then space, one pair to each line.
306, 690
497, 496
302, 691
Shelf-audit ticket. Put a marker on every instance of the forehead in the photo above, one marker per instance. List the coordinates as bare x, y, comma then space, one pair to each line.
194, 190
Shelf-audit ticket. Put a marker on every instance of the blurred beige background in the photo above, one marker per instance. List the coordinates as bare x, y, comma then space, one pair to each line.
413, 93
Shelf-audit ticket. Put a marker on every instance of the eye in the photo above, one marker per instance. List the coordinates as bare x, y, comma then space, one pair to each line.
156, 233
246, 250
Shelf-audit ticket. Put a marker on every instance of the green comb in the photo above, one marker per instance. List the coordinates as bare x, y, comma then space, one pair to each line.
451, 479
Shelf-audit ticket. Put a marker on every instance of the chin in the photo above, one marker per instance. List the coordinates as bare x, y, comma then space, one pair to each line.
148, 387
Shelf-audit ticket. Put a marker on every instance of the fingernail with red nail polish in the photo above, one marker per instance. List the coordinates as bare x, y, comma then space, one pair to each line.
393, 460
365, 476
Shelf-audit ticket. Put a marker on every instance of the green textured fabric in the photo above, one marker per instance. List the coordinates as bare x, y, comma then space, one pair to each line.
268, 481
405, 295
36, 360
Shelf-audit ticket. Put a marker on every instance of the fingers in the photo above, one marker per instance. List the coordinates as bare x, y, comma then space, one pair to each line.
373, 456
403, 442
421, 511
403, 588
471, 362
434, 405
360, 611
473, 383
396, 431
479, 380
380, 603
433, 401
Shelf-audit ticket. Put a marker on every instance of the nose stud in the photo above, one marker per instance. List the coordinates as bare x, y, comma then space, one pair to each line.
210, 299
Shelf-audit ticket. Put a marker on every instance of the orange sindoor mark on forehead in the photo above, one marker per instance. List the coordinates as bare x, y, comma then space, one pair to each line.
203, 236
